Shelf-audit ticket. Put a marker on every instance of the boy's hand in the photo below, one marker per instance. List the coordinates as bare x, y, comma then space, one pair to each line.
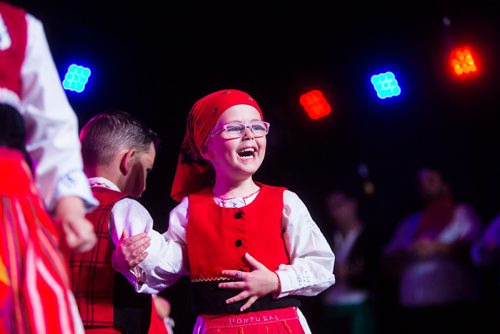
131, 251
78, 233
255, 284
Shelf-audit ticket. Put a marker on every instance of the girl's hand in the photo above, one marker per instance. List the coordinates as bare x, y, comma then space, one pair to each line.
255, 284
130, 251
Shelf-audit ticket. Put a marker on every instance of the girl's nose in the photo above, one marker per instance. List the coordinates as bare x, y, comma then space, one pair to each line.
248, 132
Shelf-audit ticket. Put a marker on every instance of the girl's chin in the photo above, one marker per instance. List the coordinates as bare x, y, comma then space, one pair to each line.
248, 170
250, 164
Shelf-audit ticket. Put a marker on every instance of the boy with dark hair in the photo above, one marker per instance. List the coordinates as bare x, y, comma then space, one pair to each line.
118, 153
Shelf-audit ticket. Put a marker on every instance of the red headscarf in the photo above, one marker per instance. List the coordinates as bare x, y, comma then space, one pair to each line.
193, 173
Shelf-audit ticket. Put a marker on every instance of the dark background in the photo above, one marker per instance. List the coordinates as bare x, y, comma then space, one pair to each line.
155, 59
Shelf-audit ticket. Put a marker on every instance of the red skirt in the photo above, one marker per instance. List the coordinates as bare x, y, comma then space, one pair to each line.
278, 321
35, 294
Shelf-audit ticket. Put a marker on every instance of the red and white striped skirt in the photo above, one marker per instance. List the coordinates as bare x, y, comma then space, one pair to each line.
35, 294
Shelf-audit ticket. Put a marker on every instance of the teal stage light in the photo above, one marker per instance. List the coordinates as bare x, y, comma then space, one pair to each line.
76, 78
385, 85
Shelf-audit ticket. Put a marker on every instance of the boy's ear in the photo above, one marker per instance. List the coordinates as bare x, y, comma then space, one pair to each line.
126, 161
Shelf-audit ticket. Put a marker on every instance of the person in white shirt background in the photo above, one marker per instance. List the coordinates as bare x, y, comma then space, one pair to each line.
429, 254
349, 304
485, 252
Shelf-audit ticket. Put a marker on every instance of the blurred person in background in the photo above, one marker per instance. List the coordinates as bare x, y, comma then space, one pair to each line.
429, 254
486, 256
349, 303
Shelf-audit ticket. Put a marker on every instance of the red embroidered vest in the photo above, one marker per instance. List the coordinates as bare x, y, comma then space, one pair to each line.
218, 238
13, 42
92, 274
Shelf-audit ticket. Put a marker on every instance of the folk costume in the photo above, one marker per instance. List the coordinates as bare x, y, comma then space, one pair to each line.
40, 162
213, 234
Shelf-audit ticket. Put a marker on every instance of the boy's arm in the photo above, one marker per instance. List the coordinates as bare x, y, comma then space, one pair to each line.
149, 260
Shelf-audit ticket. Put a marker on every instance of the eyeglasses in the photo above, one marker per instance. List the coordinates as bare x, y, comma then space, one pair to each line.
237, 129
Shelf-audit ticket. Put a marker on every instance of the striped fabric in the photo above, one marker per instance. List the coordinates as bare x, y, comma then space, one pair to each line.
35, 295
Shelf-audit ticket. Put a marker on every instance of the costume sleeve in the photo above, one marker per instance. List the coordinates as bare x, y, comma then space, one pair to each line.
167, 256
467, 223
403, 235
311, 259
486, 250
51, 124
129, 215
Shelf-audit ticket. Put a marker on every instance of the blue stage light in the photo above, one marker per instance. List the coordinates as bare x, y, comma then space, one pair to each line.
76, 78
385, 85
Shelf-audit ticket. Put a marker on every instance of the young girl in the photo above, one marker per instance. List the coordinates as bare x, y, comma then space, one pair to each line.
249, 247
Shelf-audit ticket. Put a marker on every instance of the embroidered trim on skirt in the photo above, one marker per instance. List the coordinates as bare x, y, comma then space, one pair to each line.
276, 321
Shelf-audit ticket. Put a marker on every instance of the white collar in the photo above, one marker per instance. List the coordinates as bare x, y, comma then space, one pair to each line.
103, 182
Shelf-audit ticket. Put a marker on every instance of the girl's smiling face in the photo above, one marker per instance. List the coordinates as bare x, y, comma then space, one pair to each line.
235, 158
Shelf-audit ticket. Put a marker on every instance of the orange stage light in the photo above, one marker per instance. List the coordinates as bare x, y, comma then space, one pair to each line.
462, 62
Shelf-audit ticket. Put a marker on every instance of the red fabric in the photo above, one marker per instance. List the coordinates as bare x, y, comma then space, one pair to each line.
192, 173
207, 110
12, 58
15, 174
214, 233
103, 330
436, 216
278, 321
35, 294
157, 325
91, 272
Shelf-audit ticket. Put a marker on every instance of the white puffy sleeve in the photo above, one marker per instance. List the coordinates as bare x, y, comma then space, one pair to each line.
167, 258
311, 259
51, 124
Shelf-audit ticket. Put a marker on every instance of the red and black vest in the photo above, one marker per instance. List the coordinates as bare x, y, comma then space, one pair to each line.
104, 297
13, 41
218, 239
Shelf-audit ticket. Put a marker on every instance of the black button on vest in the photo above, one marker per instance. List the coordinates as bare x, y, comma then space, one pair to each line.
238, 215
238, 243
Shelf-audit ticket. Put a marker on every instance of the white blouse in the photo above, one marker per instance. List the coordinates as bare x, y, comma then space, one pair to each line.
51, 124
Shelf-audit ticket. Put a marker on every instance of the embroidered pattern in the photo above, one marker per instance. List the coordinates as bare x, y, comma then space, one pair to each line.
304, 278
311, 224
235, 202
210, 279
